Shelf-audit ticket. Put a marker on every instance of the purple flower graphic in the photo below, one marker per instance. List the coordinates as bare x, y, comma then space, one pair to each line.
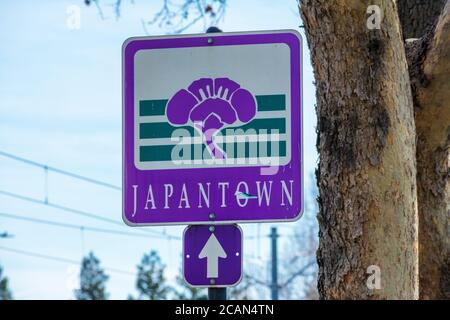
210, 105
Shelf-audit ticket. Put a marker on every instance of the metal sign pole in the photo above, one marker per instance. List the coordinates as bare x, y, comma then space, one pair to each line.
217, 293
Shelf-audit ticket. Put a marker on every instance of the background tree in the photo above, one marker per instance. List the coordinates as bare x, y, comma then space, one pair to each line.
298, 265
429, 69
366, 141
247, 288
186, 292
151, 282
5, 292
372, 62
418, 16
92, 280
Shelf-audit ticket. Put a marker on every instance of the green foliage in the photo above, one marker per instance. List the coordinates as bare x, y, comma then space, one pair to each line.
5, 292
151, 283
92, 280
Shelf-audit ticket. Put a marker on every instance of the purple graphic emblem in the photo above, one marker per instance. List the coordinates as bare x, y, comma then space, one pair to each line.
210, 105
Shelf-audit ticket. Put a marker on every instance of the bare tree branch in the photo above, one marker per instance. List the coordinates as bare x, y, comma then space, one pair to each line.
300, 272
176, 16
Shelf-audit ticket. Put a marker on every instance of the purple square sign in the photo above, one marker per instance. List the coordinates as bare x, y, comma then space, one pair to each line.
212, 128
212, 255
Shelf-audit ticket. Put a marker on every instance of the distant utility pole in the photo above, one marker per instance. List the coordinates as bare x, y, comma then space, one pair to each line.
274, 284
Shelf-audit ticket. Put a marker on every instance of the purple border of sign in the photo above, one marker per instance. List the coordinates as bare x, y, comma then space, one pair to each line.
132, 175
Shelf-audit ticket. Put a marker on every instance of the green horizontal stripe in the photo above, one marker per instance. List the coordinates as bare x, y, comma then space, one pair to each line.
264, 102
269, 124
152, 107
164, 153
160, 130
271, 102
164, 130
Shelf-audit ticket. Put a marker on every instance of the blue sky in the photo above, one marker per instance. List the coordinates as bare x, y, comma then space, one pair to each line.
60, 104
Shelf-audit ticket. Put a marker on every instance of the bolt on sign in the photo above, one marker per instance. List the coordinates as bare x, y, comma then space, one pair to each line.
212, 128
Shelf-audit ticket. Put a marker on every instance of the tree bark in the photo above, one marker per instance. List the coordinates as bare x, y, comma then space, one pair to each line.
429, 65
418, 16
366, 141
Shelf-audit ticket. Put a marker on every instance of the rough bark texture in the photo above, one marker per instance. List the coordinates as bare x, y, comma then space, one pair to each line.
429, 65
418, 16
366, 142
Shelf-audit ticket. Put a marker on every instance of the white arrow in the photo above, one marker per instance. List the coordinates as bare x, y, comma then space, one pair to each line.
212, 251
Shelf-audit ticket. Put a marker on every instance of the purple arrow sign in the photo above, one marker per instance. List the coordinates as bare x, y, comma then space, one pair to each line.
212, 128
212, 255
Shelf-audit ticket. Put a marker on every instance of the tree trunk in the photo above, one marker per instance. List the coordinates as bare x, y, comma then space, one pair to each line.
366, 142
418, 16
429, 65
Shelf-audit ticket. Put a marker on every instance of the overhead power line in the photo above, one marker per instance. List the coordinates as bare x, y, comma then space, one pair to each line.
56, 206
72, 210
60, 171
82, 213
59, 259
77, 227
94, 216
